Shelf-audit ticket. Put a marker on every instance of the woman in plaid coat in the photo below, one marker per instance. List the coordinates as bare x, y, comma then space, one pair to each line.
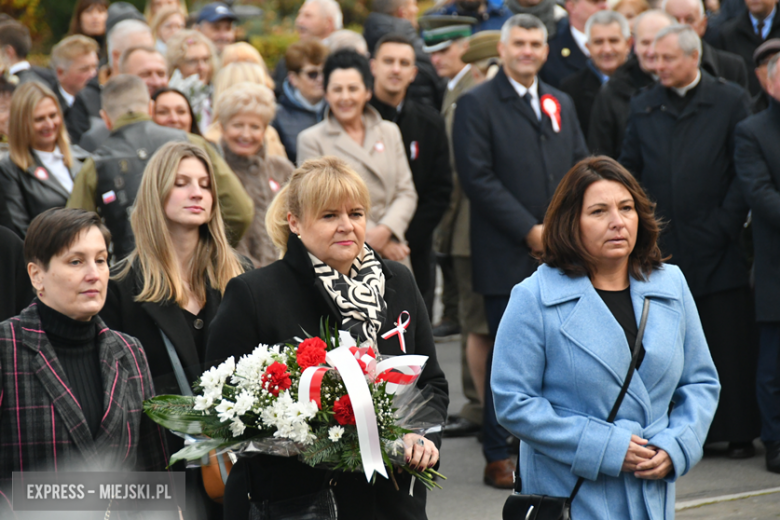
71, 390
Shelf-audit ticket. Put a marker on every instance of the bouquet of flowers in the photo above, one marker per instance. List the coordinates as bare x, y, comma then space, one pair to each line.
324, 399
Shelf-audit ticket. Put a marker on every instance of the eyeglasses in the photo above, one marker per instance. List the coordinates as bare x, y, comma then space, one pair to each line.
193, 62
312, 74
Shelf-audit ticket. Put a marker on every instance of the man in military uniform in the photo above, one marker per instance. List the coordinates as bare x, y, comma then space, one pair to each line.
109, 180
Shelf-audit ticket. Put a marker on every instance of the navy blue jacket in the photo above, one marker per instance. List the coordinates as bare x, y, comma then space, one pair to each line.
565, 58
509, 164
757, 159
491, 20
292, 118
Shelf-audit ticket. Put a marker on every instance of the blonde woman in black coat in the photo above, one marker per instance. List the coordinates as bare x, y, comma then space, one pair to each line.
319, 222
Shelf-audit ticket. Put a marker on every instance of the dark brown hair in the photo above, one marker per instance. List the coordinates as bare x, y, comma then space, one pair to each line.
562, 244
55, 230
299, 53
81, 6
392, 38
17, 36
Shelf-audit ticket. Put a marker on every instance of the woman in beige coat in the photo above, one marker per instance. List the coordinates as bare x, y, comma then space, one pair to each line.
354, 131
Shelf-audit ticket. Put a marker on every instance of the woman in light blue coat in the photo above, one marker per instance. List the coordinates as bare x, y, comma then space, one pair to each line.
564, 346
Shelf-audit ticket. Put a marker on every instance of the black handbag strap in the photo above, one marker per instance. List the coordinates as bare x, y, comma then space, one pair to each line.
629, 377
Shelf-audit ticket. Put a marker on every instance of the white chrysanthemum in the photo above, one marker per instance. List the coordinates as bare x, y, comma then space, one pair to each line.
237, 427
335, 433
226, 368
244, 402
226, 410
203, 403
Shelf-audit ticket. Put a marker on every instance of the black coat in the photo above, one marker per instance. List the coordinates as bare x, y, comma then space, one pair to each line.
583, 87
509, 164
15, 285
611, 108
757, 159
30, 192
726, 65
685, 162
281, 301
738, 36
428, 153
84, 111
565, 57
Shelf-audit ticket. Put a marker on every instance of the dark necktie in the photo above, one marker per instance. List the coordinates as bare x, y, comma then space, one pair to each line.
527, 98
760, 29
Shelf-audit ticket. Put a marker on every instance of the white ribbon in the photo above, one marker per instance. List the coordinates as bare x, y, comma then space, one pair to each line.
400, 328
363, 407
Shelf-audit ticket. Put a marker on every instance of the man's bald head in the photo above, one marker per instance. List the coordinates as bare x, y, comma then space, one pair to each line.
647, 25
688, 12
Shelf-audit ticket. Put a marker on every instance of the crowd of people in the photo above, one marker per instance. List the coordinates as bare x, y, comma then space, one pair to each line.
168, 198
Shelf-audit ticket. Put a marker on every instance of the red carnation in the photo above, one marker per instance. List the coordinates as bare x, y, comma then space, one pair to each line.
276, 378
311, 352
342, 409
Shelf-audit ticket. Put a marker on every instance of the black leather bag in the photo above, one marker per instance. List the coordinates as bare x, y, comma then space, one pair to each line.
543, 507
318, 506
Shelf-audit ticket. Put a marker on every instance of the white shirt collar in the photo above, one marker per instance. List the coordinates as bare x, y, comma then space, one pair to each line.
451, 84
67, 97
684, 90
16, 67
533, 90
581, 39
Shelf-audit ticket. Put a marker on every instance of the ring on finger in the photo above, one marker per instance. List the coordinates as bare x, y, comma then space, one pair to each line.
420, 442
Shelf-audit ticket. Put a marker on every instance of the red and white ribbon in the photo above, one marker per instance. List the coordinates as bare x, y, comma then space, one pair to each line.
400, 329
552, 108
398, 371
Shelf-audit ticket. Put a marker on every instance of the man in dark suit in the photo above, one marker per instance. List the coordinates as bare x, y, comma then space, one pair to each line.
679, 144
609, 115
514, 138
15, 45
744, 34
609, 42
75, 62
757, 159
568, 53
717, 63
427, 150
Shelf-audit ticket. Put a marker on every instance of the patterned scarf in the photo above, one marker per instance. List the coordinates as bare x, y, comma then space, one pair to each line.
358, 296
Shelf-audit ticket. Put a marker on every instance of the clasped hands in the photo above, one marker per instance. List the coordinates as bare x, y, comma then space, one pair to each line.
380, 238
647, 462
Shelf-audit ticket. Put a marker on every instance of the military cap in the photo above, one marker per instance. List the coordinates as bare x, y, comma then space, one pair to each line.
439, 31
766, 50
482, 46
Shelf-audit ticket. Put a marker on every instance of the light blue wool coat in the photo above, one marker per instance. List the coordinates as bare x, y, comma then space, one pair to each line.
560, 360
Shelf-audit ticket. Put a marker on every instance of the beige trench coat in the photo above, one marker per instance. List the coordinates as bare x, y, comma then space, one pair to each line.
381, 162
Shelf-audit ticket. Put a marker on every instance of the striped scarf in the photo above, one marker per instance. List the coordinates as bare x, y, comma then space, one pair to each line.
358, 296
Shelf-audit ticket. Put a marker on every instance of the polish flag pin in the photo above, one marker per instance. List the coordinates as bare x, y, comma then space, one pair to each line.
109, 197
414, 150
41, 174
552, 108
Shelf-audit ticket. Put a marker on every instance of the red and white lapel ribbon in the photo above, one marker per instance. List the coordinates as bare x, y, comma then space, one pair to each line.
552, 108
397, 371
400, 328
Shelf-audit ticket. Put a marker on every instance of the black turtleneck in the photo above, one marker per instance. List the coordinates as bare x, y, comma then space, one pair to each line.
75, 343
680, 102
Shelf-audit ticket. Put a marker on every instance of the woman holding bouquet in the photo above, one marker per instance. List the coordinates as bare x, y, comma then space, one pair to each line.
170, 286
318, 220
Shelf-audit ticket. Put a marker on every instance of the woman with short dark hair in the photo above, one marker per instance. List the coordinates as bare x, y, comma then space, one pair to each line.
354, 131
565, 345
73, 389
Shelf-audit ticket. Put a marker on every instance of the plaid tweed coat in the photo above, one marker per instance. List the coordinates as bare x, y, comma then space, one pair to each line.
42, 427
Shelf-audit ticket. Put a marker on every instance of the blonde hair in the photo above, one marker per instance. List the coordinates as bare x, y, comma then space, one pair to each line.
242, 52
214, 262
178, 44
148, 9
162, 15
246, 98
317, 184
238, 72
25, 100
70, 48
